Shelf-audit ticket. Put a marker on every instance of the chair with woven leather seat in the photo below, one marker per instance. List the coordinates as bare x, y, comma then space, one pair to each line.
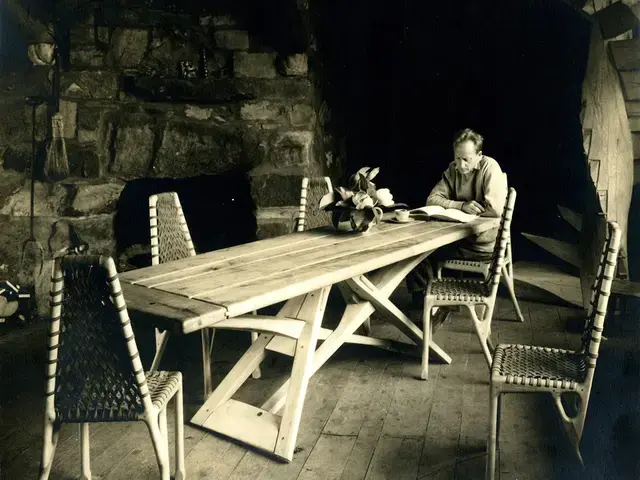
533, 369
94, 372
309, 213
469, 293
171, 240
482, 268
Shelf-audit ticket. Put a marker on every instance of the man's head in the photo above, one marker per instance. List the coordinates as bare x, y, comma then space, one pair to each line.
467, 150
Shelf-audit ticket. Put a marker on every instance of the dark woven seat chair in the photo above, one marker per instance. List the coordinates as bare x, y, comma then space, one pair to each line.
171, 240
469, 293
309, 213
94, 372
532, 369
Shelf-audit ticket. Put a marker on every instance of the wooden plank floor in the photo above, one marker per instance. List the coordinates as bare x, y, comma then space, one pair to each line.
366, 416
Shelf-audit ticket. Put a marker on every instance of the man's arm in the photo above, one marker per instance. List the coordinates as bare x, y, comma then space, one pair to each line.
495, 191
442, 193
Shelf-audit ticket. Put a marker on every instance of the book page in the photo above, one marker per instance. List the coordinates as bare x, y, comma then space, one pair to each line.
455, 215
427, 210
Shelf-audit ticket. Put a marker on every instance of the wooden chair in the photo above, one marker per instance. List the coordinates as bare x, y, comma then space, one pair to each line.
470, 293
309, 213
483, 268
171, 240
94, 372
532, 369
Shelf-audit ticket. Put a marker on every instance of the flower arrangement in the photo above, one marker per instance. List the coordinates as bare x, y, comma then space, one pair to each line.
361, 205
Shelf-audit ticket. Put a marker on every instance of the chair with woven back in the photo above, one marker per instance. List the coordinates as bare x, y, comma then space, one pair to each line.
534, 369
309, 213
470, 293
171, 240
483, 269
94, 372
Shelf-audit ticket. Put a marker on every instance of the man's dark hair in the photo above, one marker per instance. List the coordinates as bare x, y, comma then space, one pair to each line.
467, 134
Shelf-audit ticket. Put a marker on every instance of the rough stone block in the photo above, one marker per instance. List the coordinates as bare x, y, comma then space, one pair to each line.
82, 33
274, 190
295, 65
87, 136
128, 46
254, 65
291, 149
86, 56
223, 21
133, 148
16, 157
291, 88
190, 149
302, 115
93, 199
232, 39
199, 113
69, 111
262, 110
85, 160
50, 200
270, 229
89, 84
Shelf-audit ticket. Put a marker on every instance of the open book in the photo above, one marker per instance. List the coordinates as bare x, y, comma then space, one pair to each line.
437, 212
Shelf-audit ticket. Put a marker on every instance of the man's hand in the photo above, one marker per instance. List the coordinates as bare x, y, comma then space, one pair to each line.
472, 207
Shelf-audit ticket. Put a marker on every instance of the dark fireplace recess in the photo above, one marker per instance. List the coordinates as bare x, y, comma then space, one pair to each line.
219, 211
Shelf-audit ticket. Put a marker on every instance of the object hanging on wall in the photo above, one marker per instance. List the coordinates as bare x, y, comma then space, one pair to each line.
56, 165
187, 70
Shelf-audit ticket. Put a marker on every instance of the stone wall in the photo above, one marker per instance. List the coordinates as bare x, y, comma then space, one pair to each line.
130, 112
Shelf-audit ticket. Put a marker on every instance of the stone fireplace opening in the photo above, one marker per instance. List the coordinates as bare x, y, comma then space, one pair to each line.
219, 210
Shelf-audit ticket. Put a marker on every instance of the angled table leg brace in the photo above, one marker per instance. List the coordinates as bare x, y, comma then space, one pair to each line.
266, 431
262, 427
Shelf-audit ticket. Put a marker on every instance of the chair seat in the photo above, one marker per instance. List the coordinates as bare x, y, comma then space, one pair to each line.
465, 263
453, 289
542, 367
122, 405
162, 386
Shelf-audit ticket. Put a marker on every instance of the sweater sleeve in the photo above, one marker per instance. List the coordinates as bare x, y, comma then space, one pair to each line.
495, 190
443, 191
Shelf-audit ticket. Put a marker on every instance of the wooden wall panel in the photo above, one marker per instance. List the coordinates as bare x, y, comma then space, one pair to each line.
605, 115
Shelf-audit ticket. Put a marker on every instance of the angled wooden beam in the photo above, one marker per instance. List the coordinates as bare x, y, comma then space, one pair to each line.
550, 279
563, 250
572, 218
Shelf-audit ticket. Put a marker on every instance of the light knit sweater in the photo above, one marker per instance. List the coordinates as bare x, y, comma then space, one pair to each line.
486, 184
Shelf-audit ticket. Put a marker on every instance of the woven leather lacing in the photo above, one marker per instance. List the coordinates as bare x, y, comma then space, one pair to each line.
315, 217
539, 366
172, 242
94, 379
456, 289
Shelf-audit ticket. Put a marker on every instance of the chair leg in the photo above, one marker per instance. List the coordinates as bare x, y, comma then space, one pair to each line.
161, 344
162, 423
572, 425
494, 433
84, 452
483, 330
508, 280
179, 432
208, 335
160, 446
49, 443
426, 339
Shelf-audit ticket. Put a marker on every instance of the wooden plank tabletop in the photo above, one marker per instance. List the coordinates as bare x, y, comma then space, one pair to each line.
246, 277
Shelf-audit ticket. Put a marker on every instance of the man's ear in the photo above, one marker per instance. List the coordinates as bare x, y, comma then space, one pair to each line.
479, 153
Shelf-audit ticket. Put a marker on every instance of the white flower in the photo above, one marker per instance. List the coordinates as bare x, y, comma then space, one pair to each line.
384, 196
361, 200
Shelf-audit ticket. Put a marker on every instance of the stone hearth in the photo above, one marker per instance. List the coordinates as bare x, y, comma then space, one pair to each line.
234, 135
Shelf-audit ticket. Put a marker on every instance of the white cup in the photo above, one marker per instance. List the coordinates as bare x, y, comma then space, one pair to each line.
402, 215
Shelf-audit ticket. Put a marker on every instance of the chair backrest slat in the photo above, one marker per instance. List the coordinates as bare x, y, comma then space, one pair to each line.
502, 240
170, 236
94, 368
600, 296
309, 213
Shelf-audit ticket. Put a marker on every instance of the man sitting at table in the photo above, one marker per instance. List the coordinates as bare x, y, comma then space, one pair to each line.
475, 184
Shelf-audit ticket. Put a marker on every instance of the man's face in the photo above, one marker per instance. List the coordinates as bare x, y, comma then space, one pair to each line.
466, 156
